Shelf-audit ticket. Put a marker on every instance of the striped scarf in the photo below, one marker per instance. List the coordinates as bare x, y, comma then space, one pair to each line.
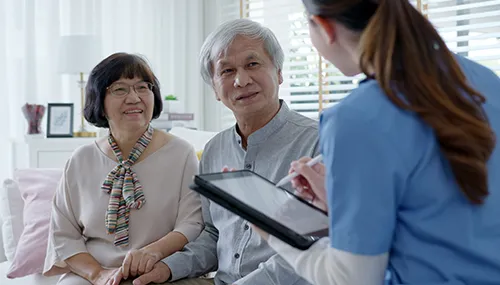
124, 189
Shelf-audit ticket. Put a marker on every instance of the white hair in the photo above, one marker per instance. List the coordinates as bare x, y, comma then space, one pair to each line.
219, 40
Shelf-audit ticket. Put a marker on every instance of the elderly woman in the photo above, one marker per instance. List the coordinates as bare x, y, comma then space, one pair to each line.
123, 202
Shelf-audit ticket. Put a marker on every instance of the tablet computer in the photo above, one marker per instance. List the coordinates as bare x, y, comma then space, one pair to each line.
273, 209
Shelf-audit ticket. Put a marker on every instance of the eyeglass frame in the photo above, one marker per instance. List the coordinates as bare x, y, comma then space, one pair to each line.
150, 89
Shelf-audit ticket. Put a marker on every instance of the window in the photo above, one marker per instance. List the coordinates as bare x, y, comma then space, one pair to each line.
310, 84
469, 27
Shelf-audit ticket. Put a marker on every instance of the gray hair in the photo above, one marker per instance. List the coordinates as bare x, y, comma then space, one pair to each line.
220, 39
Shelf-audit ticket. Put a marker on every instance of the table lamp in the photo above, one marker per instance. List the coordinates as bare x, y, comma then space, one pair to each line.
78, 54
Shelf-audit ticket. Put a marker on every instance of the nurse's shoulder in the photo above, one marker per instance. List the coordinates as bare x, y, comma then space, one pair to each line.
368, 109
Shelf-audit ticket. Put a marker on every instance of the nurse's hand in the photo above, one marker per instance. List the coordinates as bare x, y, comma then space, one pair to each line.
310, 184
227, 169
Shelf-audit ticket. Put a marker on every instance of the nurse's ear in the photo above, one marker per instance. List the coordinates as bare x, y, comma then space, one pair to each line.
327, 28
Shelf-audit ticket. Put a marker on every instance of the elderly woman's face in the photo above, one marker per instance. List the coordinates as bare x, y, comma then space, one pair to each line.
129, 103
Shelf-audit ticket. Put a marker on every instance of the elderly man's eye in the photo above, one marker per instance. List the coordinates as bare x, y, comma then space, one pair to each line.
226, 71
251, 64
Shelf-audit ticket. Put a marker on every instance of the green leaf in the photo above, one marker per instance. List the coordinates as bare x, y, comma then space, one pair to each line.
170, 97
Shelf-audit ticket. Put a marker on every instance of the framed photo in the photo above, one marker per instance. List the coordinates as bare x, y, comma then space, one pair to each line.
60, 120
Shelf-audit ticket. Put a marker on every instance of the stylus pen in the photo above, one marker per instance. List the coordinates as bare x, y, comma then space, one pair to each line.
291, 176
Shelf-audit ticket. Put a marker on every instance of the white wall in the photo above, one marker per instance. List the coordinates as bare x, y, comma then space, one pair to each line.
168, 32
169, 62
211, 106
189, 36
217, 11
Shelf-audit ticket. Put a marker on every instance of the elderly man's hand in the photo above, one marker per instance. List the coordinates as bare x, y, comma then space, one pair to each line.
263, 234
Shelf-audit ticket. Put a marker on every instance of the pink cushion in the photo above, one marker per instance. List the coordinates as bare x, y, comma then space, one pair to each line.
11, 210
37, 187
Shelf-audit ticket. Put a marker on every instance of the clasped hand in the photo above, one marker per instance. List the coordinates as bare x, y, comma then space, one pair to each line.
143, 264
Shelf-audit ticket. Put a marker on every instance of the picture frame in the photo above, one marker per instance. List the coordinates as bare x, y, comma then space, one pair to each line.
60, 120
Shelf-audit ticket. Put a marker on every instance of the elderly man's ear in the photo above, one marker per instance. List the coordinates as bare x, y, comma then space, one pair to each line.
280, 76
215, 93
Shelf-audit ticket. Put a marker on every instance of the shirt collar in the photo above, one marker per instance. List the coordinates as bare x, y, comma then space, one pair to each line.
366, 79
270, 128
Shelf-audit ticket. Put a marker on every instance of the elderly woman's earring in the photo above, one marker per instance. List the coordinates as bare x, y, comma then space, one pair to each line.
436, 46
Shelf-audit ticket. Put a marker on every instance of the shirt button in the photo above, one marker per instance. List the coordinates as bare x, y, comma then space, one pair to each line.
237, 256
248, 166
246, 227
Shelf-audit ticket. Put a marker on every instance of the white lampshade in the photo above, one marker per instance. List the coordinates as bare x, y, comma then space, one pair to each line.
78, 54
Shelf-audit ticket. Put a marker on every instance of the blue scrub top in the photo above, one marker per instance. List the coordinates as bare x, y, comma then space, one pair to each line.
390, 189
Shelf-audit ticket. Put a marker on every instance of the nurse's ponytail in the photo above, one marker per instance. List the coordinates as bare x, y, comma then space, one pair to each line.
412, 64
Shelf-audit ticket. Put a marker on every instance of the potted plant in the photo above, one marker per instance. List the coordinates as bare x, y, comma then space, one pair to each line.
171, 104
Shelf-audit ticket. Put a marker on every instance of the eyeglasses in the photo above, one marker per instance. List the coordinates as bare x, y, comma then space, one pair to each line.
122, 89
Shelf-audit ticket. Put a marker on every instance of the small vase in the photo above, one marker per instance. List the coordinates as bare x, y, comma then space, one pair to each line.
172, 106
33, 114
34, 127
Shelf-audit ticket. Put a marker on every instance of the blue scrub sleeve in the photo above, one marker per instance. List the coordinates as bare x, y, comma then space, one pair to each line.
363, 174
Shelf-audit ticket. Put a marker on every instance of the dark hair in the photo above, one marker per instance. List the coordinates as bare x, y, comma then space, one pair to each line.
431, 82
111, 69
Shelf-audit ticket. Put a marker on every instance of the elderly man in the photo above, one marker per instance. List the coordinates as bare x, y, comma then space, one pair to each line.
243, 62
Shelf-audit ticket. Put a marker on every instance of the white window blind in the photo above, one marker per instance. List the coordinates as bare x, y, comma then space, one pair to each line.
469, 27
310, 84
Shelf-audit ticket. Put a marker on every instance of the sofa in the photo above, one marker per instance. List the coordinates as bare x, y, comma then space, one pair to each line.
25, 201
16, 243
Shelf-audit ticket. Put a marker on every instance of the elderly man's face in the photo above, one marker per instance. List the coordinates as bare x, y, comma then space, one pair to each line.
245, 79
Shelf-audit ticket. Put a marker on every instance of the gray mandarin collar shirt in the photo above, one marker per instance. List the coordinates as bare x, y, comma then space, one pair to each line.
228, 244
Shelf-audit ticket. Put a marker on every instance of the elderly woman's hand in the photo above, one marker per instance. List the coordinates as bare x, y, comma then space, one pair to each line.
140, 261
105, 276
159, 274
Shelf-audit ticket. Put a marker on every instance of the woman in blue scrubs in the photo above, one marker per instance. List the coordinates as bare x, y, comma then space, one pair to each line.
411, 173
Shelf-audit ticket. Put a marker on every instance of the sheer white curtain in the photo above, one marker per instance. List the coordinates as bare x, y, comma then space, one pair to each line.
169, 33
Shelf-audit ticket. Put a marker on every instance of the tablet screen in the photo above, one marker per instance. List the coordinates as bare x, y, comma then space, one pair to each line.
273, 202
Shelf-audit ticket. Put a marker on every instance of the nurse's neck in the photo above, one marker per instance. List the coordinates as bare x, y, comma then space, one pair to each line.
354, 50
347, 52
